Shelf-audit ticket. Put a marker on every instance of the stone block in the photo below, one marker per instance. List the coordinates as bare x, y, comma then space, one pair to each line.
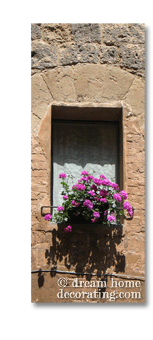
44, 56
87, 54
135, 96
133, 58
40, 98
117, 34
86, 33
35, 31
108, 55
58, 33
68, 55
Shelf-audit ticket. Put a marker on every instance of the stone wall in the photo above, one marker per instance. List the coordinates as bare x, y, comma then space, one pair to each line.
98, 65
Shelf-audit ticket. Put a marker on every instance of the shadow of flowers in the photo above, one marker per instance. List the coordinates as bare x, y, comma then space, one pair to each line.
87, 251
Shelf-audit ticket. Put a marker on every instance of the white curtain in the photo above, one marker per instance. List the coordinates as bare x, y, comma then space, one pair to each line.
79, 146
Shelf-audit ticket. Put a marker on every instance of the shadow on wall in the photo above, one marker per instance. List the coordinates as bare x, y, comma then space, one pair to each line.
85, 252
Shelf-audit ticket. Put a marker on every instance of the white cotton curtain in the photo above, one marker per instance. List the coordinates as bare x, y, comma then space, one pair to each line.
78, 146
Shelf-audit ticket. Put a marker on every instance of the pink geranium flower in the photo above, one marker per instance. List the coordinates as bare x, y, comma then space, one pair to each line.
65, 197
111, 218
68, 229
96, 214
103, 192
97, 181
74, 203
124, 194
88, 204
60, 208
48, 217
126, 205
62, 175
114, 186
84, 173
80, 187
117, 197
94, 220
106, 182
94, 187
92, 193
103, 200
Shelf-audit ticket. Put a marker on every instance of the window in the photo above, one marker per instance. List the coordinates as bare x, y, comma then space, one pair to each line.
83, 140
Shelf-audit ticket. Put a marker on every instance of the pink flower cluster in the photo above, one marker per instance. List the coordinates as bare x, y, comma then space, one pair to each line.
62, 176
124, 194
127, 206
114, 186
79, 187
92, 193
103, 200
117, 197
75, 204
111, 218
90, 177
96, 216
95, 203
60, 208
48, 217
97, 181
88, 204
68, 229
103, 193
65, 197
106, 182
84, 173
83, 179
94, 187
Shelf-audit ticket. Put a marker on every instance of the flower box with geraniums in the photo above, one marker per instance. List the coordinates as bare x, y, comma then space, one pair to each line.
90, 201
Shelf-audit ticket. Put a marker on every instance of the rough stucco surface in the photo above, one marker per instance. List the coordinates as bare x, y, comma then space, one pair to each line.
88, 65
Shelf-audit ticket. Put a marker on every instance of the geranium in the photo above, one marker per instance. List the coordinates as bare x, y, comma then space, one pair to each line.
48, 217
106, 182
65, 197
60, 208
90, 177
92, 193
93, 200
62, 175
74, 203
96, 214
94, 187
103, 200
117, 197
94, 220
84, 179
127, 206
111, 218
68, 229
80, 187
84, 173
88, 204
96, 198
114, 186
103, 192
124, 194
97, 181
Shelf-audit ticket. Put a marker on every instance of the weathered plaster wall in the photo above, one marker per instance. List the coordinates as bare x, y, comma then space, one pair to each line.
87, 64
